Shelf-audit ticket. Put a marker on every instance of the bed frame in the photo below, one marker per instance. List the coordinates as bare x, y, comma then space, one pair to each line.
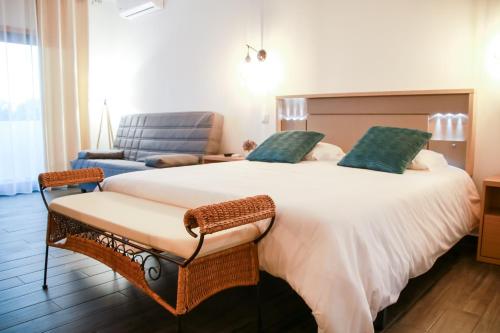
345, 117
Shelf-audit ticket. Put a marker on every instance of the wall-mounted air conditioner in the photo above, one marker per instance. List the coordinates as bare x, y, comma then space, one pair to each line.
130, 9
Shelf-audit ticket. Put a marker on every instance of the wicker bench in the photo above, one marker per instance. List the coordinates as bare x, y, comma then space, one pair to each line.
215, 246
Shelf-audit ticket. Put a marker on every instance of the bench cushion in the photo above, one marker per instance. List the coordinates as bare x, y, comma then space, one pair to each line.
147, 222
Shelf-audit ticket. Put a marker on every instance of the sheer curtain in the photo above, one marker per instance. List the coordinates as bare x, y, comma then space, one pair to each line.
21, 134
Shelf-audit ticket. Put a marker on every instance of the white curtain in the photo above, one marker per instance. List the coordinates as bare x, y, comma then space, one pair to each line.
21, 135
63, 33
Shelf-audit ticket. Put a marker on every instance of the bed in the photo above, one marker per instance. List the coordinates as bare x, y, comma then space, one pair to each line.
346, 240
361, 258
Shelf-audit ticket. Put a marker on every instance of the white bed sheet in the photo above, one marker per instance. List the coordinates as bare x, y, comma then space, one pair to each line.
346, 240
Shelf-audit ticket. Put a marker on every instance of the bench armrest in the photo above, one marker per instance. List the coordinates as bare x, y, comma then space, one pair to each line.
229, 214
72, 177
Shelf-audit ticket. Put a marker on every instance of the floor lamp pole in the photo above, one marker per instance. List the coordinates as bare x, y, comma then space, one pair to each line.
105, 115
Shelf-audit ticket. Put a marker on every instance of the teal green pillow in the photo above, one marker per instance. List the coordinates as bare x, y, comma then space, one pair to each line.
388, 149
286, 147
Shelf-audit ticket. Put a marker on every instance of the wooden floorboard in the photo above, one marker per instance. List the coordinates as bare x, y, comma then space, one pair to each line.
27, 313
458, 295
65, 316
22, 267
10, 283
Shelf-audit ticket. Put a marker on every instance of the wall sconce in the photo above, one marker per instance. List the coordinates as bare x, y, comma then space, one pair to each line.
448, 116
262, 75
448, 126
293, 109
261, 54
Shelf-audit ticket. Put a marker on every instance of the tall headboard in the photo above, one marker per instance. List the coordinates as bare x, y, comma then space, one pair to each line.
345, 117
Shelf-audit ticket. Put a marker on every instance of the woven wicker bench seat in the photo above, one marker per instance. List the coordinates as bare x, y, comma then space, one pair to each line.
214, 246
149, 223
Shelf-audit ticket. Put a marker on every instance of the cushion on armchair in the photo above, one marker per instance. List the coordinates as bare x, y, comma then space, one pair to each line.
110, 154
171, 160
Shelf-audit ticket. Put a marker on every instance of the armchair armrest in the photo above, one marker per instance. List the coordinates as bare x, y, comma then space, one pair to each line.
229, 214
72, 177
111, 154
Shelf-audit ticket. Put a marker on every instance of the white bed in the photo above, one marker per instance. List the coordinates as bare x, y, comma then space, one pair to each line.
346, 240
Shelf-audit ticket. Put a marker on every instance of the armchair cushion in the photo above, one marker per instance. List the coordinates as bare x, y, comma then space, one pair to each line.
110, 154
171, 160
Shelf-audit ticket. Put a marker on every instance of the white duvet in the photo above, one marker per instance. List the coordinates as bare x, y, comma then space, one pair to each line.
346, 240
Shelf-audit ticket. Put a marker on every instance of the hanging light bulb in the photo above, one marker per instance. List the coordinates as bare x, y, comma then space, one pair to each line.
247, 58
260, 75
261, 55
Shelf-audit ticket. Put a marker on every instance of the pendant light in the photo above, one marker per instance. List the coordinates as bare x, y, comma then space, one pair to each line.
261, 54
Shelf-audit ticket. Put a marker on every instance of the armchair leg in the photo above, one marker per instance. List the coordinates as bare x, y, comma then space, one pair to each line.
45, 267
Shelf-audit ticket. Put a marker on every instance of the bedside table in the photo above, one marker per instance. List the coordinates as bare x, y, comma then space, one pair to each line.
220, 158
488, 249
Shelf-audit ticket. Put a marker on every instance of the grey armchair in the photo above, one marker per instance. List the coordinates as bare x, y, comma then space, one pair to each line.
149, 137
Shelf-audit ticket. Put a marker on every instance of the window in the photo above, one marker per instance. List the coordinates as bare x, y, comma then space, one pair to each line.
21, 137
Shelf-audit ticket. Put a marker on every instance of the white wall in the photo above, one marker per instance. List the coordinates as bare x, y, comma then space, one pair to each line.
396, 44
488, 86
188, 57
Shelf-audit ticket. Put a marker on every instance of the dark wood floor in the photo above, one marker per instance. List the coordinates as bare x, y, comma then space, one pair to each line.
461, 295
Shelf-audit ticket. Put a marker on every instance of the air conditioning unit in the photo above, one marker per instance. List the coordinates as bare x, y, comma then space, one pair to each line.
131, 9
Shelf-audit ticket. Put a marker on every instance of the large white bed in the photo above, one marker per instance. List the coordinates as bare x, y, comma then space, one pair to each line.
346, 240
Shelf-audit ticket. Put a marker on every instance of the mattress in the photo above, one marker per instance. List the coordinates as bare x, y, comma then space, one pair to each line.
346, 240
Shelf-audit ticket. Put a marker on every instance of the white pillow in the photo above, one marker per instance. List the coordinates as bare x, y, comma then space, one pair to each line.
428, 160
325, 152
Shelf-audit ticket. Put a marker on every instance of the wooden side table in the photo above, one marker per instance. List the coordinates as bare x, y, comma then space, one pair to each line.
220, 158
488, 249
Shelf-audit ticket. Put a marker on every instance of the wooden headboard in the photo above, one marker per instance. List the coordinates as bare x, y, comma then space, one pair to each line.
345, 117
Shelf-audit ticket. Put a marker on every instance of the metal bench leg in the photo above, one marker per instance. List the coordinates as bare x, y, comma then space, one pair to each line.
45, 268
259, 310
179, 323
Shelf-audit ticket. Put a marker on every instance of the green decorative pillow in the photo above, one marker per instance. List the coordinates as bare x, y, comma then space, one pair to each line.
387, 149
286, 147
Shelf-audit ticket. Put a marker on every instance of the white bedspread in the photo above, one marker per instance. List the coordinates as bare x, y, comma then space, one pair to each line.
346, 240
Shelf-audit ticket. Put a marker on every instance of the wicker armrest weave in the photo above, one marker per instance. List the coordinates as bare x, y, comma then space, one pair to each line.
72, 177
229, 214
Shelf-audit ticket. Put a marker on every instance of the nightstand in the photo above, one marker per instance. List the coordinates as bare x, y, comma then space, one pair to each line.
488, 249
220, 158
